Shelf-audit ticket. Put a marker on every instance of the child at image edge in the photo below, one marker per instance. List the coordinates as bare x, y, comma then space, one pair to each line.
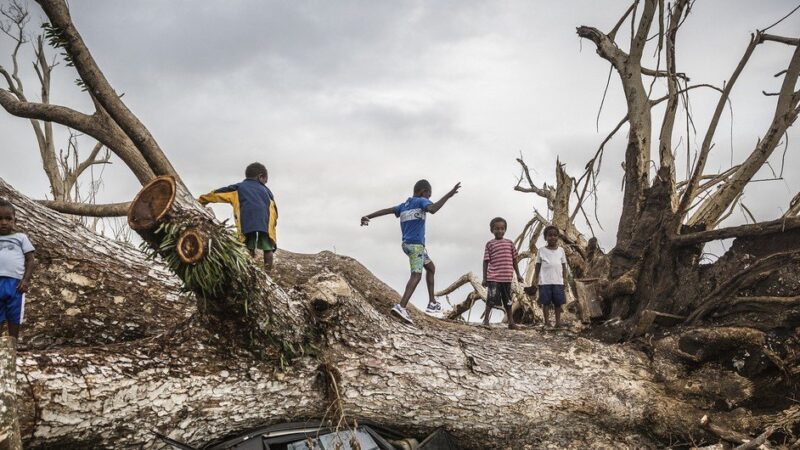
551, 272
499, 267
254, 210
16, 267
412, 214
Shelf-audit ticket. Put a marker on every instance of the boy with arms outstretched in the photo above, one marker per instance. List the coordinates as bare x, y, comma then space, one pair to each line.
412, 214
551, 273
499, 267
253, 209
16, 267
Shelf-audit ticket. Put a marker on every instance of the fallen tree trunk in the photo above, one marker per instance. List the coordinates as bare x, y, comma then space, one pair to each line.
492, 389
9, 423
88, 289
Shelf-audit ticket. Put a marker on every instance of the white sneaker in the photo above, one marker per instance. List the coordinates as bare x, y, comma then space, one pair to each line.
402, 313
434, 308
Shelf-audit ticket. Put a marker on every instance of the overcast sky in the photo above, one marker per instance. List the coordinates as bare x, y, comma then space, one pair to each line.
348, 103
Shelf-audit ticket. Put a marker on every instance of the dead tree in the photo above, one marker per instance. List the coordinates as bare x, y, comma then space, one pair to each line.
664, 224
63, 167
316, 341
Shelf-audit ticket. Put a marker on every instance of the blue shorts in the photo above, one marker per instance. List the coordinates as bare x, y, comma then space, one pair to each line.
12, 302
552, 294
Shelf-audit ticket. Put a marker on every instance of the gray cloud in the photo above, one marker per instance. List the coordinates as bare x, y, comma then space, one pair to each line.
350, 102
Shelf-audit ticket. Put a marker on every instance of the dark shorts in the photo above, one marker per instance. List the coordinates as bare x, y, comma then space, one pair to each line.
259, 241
12, 302
498, 294
552, 294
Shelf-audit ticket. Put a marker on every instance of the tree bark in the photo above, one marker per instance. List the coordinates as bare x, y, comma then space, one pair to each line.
9, 424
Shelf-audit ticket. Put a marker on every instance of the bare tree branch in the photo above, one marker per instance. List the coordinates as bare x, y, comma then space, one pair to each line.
780, 39
666, 158
545, 191
755, 229
613, 33
58, 13
87, 209
640, 39
785, 114
705, 148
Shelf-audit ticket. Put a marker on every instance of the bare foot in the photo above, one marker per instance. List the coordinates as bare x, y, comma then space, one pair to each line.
513, 326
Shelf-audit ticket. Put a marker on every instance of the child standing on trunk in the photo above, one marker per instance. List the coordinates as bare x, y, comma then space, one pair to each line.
412, 214
499, 267
551, 272
16, 267
254, 210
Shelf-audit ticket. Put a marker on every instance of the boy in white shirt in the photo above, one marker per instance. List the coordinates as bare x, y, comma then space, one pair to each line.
551, 271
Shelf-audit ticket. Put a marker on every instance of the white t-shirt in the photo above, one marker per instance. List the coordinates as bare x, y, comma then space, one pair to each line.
13, 248
551, 271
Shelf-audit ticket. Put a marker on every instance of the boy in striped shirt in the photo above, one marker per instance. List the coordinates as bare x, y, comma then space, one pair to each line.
499, 267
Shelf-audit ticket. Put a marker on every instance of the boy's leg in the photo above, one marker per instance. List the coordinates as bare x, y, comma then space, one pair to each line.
430, 271
13, 330
491, 298
268, 260
546, 299
509, 314
413, 281
12, 305
507, 306
416, 260
559, 298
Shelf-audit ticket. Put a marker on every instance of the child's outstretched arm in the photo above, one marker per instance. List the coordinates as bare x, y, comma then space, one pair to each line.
432, 208
30, 263
222, 195
381, 212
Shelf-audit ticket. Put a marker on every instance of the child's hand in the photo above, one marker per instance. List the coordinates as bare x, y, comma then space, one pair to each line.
22, 287
484, 283
455, 188
364, 221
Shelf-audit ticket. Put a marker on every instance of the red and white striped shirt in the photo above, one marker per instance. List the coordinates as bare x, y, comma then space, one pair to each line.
500, 253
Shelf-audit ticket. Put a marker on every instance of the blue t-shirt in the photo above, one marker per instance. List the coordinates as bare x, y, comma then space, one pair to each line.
412, 219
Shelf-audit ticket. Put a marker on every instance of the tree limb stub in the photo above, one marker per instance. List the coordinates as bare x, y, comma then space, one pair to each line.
755, 229
88, 209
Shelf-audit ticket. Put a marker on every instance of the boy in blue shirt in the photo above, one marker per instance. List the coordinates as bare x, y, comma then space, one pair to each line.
253, 209
412, 214
16, 267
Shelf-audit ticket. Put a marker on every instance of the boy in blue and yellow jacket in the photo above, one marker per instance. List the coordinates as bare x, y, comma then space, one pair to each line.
254, 210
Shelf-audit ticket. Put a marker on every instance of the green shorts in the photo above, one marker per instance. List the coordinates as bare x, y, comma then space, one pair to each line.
417, 256
257, 240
